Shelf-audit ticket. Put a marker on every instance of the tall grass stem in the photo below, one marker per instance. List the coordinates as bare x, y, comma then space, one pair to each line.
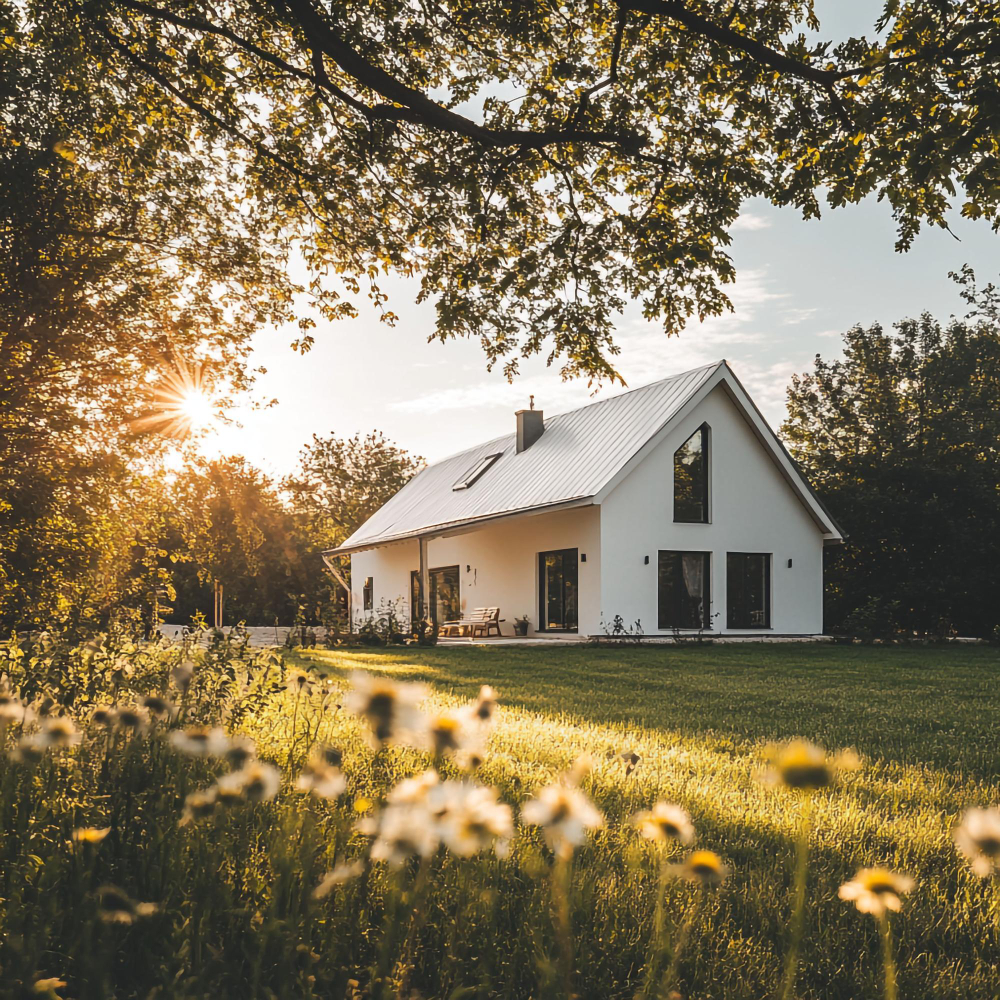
799, 903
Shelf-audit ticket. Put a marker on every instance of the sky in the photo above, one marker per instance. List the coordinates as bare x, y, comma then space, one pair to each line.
800, 285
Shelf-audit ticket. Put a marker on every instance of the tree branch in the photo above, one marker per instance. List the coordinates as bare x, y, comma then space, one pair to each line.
414, 106
677, 11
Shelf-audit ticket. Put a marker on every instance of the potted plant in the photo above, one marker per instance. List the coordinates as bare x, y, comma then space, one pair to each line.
521, 625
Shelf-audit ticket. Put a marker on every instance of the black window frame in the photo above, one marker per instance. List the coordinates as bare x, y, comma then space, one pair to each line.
477, 472
432, 603
543, 624
731, 621
368, 594
706, 443
706, 597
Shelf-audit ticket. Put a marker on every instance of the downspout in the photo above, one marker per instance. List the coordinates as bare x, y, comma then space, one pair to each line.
339, 577
425, 587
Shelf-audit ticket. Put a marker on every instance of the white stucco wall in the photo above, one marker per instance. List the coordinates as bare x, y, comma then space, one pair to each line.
753, 509
498, 566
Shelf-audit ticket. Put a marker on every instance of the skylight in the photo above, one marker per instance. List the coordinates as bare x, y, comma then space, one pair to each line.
475, 472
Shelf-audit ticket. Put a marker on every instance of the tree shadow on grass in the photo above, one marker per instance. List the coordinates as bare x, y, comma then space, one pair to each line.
914, 706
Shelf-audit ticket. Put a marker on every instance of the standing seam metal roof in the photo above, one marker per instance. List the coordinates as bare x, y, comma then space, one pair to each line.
577, 455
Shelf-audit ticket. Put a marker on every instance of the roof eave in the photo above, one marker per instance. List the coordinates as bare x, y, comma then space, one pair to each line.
457, 527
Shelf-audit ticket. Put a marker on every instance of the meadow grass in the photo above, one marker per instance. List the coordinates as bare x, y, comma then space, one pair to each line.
924, 719
236, 915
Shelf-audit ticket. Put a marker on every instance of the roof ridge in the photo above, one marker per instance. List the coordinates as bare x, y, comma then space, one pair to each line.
576, 409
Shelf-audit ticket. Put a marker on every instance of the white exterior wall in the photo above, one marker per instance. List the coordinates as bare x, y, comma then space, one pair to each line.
498, 566
753, 509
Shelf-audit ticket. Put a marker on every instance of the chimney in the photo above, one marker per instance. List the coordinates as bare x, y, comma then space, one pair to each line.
530, 425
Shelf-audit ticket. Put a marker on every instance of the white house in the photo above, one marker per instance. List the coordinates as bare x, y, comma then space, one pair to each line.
674, 505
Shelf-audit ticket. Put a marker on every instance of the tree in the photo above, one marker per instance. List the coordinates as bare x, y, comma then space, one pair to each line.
538, 164
341, 482
120, 271
240, 541
902, 438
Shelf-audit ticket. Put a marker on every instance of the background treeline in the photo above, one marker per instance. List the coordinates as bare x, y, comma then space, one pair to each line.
138, 547
902, 439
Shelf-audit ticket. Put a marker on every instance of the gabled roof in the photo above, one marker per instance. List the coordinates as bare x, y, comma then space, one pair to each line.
580, 458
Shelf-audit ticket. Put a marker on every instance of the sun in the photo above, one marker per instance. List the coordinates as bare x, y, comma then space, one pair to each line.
180, 402
197, 408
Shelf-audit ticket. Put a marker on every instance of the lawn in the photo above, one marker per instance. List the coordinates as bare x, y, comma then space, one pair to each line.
233, 888
926, 721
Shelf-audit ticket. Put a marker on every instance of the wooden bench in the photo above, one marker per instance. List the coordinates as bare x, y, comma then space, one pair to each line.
482, 621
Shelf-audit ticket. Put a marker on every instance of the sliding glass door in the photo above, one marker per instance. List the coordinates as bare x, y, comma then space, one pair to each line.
558, 577
445, 603
748, 590
683, 590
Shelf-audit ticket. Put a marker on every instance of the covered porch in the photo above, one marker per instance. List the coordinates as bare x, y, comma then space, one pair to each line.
540, 566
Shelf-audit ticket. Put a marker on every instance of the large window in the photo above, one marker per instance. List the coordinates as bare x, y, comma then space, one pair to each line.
683, 591
558, 574
748, 590
368, 593
446, 605
691, 478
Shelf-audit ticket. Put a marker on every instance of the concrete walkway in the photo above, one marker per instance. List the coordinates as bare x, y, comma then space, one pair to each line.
264, 636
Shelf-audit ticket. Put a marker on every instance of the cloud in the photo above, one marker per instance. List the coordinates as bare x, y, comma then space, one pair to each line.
746, 337
749, 222
797, 314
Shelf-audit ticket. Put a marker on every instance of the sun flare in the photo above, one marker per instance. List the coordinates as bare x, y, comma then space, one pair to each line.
180, 403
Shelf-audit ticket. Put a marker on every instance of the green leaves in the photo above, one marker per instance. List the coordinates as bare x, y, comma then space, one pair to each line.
459, 140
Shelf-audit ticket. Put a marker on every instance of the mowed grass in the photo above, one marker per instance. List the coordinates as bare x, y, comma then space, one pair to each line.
924, 719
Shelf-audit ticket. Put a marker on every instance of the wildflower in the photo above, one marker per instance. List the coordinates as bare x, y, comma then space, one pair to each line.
90, 834
159, 708
322, 779
631, 759
445, 732
876, 890
256, 782
60, 732
240, 752
12, 709
413, 790
704, 868
485, 705
456, 733
978, 838
340, 875
103, 716
389, 708
401, 832
565, 815
115, 907
182, 674
199, 805
131, 719
30, 749
470, 818
801, 764
298, 682
665, 822
227, 794
200, 741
